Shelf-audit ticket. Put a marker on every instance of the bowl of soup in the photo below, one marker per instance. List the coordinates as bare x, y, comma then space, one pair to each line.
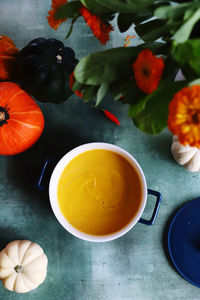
98, 192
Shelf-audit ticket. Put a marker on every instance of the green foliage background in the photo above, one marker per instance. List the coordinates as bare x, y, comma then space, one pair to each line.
177, 26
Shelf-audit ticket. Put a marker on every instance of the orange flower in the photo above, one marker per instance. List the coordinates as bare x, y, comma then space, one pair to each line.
71, 83
148, 70
53, 22
98, 27
184, 116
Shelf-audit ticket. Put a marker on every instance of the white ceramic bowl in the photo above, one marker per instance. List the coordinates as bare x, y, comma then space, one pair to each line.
54, 184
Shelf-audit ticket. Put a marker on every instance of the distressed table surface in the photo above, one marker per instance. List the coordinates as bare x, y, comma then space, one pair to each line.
136, 266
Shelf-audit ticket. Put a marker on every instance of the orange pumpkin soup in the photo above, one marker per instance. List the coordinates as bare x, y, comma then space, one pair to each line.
99, 192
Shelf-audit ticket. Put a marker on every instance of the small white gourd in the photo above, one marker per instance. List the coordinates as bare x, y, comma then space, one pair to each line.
186, 156
23, 266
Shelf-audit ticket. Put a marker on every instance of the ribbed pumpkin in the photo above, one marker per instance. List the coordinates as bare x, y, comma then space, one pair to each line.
8, 55
43, 70
21, 120
23, 266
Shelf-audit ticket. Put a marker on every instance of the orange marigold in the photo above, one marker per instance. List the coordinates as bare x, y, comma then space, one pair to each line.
184, 116
53, 22
98, 27
148, 70
71, 83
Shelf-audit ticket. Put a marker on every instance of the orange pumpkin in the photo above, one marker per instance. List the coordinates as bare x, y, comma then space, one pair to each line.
8, 54
21, 120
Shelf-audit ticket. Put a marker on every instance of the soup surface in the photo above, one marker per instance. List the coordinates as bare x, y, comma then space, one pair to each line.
99, 192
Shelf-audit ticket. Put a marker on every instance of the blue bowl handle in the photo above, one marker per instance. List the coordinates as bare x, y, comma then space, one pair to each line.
156, 209
39, 183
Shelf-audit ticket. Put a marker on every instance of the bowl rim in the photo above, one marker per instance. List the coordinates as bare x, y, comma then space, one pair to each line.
53, 184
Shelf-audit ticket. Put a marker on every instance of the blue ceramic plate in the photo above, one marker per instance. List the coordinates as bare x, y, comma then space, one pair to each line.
184, 241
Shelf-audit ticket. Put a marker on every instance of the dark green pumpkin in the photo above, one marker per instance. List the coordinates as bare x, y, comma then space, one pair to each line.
43, 69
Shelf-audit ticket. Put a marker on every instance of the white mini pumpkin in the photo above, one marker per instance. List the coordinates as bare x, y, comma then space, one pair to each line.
23, 266
186, 156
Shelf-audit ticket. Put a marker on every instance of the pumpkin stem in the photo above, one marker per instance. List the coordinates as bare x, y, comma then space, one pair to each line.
18, 269
59, 58
4, 115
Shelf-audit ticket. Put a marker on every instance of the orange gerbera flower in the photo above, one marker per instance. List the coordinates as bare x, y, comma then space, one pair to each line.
53, 22
184, 116
148, 70
98, 27
71, 83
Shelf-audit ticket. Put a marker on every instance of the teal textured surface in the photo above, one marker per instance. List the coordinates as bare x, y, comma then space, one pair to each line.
136, 266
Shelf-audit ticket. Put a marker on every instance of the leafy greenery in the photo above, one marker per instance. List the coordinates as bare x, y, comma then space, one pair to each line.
123, 6
180, 19
183, 33
152, 30
126, 90
106, 66
176, 23
187, 57
69, 10
90, 92
97, 8
150, 114
124, 21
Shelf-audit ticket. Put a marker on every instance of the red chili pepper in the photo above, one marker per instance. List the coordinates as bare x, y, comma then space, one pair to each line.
111, 116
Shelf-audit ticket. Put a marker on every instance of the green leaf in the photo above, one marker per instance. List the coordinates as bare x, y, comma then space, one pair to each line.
152, 30
123, 6
140, 17
89, 93
188, 58
150, 113
156, 47
185, 30
102, 91
188, 14
96, 8
135, 109
126, 6
69, 10
124, 21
